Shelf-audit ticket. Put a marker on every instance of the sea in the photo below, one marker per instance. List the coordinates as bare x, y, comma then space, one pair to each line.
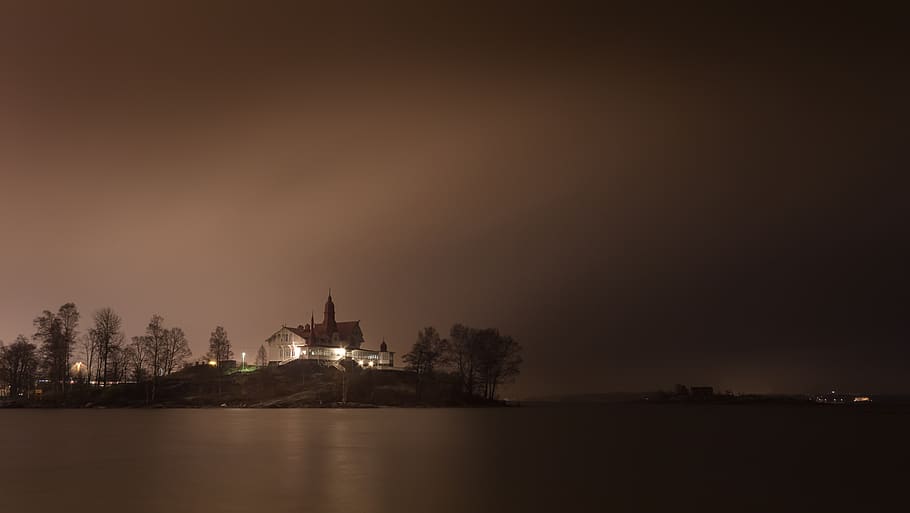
546, 458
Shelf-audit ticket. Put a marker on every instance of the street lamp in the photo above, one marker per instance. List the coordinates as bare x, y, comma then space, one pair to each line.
242, 361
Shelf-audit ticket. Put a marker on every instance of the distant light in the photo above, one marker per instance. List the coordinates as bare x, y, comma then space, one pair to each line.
371, 364
213, 363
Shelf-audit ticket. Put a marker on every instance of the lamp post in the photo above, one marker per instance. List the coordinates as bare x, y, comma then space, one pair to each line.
242, 361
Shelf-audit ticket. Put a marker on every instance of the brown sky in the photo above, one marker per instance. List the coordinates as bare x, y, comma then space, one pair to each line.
639, 197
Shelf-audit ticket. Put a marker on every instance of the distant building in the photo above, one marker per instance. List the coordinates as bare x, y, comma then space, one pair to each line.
329, 340
836, 398
702, 392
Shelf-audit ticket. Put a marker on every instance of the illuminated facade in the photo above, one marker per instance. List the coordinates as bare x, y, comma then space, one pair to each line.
328, 340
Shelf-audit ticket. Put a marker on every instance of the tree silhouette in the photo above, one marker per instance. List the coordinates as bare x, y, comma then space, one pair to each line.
429, 352
56, 333
105, 338
18, 365
220, 346
262, 357
483, 359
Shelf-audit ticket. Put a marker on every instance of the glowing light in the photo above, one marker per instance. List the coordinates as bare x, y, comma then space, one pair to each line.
371, 364
213, 363
861, 399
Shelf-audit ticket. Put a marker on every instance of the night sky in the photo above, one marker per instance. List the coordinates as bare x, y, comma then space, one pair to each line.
640, 197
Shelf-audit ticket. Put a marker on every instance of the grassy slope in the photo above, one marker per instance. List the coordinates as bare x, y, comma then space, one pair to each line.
297, 384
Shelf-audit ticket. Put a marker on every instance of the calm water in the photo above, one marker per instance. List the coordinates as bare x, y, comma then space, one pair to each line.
591, 458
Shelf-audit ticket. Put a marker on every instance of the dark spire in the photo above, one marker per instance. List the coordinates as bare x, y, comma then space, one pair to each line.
329, 317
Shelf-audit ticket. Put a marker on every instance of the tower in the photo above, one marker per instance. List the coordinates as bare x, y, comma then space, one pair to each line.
328, 320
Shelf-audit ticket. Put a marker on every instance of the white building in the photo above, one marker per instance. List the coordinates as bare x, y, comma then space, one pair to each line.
328, 340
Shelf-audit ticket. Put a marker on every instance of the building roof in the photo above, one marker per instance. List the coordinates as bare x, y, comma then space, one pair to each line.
346, 330
298, 331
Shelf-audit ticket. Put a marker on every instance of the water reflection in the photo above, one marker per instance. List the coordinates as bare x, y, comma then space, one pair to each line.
446, 460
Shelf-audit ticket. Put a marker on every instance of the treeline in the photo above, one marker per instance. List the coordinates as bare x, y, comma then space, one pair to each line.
476, 361
106, 355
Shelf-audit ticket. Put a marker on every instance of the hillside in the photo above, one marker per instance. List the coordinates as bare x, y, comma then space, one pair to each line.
297, 384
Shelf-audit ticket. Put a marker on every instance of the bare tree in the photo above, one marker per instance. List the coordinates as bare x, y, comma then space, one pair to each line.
428, 352
118, 362
464, 356
176, 350
88, 353
18, 365
155, 340
220, 351
135, 356
483, 359
220, 346
57, 335
107, 337
262, 357
69, 323
499, 361
158, 353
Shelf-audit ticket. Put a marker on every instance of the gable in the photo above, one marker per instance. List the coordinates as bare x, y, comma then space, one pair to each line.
285, 334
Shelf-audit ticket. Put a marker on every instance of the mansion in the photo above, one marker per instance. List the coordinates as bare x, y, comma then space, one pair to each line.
328, 341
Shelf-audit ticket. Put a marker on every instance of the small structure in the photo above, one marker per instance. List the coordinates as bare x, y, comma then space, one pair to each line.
837, 398
702, 392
